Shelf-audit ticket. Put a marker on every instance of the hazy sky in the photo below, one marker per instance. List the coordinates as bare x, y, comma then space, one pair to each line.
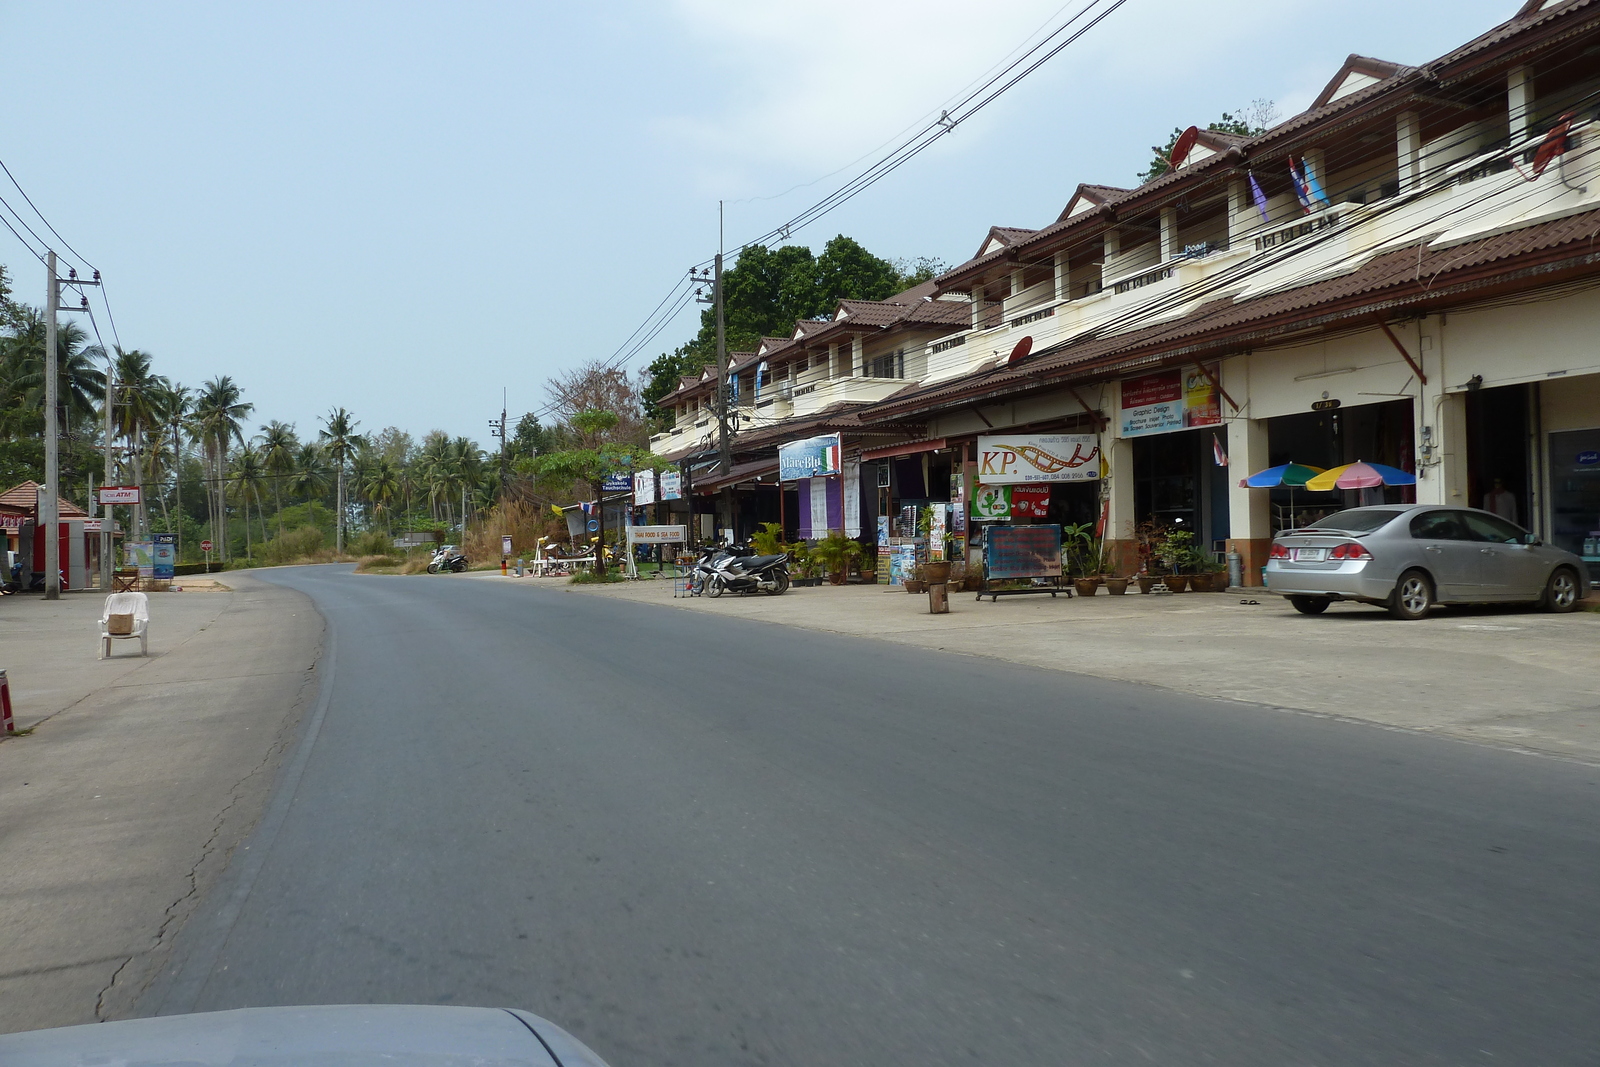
401, 208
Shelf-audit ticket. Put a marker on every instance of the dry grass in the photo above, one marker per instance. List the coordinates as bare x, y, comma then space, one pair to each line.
524, 522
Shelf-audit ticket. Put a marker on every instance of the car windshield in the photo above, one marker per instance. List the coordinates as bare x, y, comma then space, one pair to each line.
1356, 520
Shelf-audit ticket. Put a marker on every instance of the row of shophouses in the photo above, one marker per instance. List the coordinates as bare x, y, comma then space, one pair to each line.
1406, 273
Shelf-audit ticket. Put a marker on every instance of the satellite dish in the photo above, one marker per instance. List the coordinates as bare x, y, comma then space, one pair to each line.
1020, 353
1180, 151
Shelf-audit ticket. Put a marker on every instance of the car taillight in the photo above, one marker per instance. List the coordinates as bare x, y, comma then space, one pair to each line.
1280, 551
1349, 550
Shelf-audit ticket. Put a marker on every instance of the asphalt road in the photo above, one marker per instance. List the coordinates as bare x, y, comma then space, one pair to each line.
700, 842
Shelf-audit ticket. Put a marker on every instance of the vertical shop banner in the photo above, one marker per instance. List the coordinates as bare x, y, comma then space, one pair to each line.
644, 488
883, 530
163, 555
821, 507
936, 533
1021, 459
1030, 503
852, 499
1170, 400
671, 485
812, 458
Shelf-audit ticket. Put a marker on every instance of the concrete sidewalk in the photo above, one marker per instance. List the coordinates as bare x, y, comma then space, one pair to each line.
139, 778
1507, 676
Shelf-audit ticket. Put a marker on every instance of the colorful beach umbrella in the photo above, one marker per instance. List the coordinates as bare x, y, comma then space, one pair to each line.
1290, 474
1361, 475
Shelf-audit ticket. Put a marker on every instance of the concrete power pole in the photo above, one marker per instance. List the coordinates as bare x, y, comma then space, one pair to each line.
111, 473
724, 439
49, 512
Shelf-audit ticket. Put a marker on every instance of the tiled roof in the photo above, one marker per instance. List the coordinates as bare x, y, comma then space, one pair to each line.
24, 497
1391, 281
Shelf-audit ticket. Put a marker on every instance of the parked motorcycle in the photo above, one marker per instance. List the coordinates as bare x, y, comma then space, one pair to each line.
447, 558
738, 570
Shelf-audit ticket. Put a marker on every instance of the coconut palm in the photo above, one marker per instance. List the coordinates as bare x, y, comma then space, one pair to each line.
309, 476
79, 384
245, 478
381, 487
177, 403
278, 444
340, 440
219, 412
137, 410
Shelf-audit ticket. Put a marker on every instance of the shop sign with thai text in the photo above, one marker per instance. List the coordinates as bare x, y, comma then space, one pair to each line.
1019, 459
1170, 400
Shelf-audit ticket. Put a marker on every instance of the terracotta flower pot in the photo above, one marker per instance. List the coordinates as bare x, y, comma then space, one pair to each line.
1146, 581
1177, 582
915, 586
1086, 586
936, 573
1200, 583
1117, 586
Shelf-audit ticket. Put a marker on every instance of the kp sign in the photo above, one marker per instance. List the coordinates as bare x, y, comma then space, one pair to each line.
1022, 459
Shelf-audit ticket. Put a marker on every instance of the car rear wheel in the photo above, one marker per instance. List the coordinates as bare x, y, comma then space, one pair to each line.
1561, 591
1412, 596
1310, 605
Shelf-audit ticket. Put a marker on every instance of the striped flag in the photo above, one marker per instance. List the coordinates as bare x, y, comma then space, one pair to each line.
1299, 187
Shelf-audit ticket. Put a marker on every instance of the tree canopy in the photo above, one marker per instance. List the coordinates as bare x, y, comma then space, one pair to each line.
769, 289
1259, 117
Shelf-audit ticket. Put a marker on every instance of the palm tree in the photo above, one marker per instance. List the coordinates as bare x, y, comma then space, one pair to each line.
138, 408
341, 441
218, 413
382, 486
246, 476
278, 444
177, 402
309, 477
79, 385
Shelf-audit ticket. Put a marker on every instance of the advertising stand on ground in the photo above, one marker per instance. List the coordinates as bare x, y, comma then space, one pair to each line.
1031, 553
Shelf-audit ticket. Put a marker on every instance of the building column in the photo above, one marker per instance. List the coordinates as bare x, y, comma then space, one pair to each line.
1519, 102
833, 361
1063, 275
1122, 547
1241, 213
857, 357
1249, 510
1408, 146
977, 307
1169, 234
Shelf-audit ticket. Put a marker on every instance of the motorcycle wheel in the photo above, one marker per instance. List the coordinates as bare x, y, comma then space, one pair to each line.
433, 568
714, 587
780, 584
459, 568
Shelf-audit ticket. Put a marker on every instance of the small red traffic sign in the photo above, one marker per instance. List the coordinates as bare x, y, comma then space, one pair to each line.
205, 546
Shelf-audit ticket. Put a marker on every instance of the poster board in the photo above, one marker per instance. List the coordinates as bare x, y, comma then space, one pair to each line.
1021, 552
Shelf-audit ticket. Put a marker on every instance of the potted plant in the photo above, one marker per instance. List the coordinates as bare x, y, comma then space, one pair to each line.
800, 563
1116, 586
834, 554
1175, 549
1082, 557
915, 582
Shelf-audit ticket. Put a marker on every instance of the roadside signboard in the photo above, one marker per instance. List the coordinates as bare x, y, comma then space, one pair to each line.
1022, 552
505, 544
119, 494
617, 482
140, 554
644, 488
815, 457
1018, 459
671, 485
164, 555
657, 535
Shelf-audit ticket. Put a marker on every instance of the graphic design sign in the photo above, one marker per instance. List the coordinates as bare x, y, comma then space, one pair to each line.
1020, 459
1170, 400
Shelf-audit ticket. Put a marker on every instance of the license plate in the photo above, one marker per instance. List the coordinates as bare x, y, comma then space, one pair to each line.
1310, 555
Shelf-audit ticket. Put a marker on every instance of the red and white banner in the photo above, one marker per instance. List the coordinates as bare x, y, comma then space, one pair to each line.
119, 494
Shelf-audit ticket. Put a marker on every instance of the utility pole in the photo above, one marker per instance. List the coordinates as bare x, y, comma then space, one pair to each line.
49, 514
106, 520
498, 429
724, 440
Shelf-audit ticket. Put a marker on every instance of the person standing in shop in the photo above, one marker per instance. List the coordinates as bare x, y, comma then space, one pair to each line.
1501, 501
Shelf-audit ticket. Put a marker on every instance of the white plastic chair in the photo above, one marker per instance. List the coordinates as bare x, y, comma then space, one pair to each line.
135, 604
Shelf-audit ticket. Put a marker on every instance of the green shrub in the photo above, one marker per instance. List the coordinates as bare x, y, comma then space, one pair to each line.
591, 578
371, 543
293, 545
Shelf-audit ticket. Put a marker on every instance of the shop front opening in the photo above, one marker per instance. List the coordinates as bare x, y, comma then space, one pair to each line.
1499, 456
1377, 433
1178, 484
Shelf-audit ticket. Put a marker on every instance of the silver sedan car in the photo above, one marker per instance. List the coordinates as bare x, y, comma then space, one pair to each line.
1409, 557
